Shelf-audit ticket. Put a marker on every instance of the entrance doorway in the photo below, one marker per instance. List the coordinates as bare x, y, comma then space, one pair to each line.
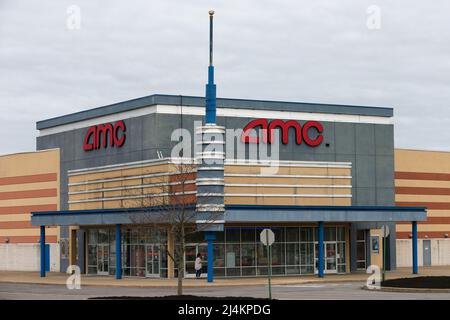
103, 259
191, 254
152, 260
330, 257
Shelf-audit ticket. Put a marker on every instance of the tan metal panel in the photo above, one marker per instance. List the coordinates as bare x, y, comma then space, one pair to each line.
421, 198
424, 227
422, 183
27, 232
422, 161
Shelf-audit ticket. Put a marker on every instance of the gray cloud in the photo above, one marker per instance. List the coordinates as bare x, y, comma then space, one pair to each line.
317, 51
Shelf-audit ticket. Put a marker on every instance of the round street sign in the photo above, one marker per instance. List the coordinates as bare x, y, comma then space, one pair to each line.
267, 237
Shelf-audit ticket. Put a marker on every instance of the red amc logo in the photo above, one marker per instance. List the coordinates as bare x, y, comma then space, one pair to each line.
301, 133
98, 136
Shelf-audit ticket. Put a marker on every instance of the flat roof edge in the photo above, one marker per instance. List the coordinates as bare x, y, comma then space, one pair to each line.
163, 99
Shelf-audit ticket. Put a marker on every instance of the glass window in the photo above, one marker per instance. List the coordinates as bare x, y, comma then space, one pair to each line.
164, 257
233, 272
194, 236
262, 255
246, 272
279, 234
233, 255
220, 237
103, 236
92, 257
292, 234
219, 255
134, 236
262, 271
219, 272
292, 254
233, 234
306, 254
141, 233
341, 253
112, 270
278, 254
92, 236
340, 233
278, 270
293, 269
306, 234
361, 251
248, 234
307, 269
330, 233
248, 255
126, 237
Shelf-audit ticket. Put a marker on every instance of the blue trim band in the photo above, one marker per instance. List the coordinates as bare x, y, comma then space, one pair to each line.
329, 208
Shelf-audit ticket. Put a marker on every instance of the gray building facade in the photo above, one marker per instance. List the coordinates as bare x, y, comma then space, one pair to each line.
367, 144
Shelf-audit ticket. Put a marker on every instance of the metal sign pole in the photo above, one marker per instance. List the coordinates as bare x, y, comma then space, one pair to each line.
270, 264
267, 238
384, 255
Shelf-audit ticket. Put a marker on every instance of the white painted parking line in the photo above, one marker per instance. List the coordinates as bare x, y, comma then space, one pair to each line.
312, 285
299, 286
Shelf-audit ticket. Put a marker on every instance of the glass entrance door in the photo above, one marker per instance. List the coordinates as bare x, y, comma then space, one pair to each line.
330, 265
152, 260
191, 254
330, 257
103, 259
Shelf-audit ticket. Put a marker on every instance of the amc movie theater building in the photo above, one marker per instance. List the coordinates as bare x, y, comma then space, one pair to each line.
334, 189
337, 183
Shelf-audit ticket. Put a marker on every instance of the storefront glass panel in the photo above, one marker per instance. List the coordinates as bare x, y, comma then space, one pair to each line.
102, 252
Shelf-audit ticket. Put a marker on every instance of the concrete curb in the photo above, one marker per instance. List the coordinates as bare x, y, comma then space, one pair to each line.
410, 290
190, 286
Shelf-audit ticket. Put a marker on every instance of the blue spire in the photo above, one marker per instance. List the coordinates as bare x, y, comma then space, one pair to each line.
210, 87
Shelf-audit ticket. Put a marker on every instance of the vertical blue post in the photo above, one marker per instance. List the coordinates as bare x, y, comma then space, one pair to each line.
321, 249
42, 244
118, 252
210, 87
210, 236
414, 247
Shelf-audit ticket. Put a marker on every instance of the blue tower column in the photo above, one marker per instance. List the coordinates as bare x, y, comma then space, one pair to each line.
210, 236
414, 248
210, 98
118, 251
42, 244
210, 117
321, 249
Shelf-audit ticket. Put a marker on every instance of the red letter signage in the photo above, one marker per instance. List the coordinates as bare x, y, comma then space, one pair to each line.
267, 131
97, 136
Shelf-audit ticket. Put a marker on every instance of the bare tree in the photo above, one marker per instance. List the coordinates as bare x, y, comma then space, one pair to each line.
169, 203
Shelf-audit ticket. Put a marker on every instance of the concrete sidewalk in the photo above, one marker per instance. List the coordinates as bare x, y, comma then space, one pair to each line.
108, 281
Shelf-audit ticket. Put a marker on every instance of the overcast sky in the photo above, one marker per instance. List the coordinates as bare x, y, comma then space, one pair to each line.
307, 51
